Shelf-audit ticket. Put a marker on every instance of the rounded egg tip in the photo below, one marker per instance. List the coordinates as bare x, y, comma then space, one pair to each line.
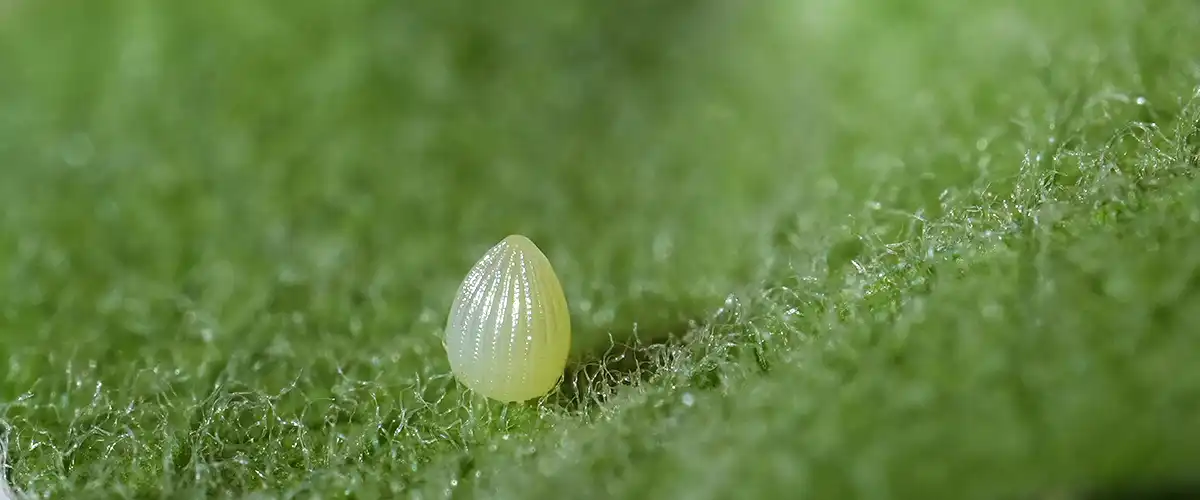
518, 240
522, 244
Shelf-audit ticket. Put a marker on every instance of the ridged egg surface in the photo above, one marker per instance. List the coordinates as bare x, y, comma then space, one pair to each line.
509, 331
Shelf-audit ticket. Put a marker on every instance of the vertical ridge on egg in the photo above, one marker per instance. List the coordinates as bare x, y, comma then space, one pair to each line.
509, 331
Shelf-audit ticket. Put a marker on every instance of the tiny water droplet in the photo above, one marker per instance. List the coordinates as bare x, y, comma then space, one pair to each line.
688, 399
730, 311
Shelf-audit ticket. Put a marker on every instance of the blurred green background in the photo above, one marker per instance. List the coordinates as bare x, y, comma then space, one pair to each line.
259, 155
230, 232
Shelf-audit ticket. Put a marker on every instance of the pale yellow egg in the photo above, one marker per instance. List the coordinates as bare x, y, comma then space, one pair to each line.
509, 332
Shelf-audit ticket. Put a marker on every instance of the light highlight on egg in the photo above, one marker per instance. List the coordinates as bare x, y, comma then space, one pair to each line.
509, 331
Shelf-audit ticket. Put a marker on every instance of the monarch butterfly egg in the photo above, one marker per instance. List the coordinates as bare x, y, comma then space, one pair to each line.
509, 331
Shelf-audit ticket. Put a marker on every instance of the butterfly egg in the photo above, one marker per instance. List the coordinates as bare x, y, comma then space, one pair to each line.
509, 331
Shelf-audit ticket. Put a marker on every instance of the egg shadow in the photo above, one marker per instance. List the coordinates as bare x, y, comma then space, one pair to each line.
595, 376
